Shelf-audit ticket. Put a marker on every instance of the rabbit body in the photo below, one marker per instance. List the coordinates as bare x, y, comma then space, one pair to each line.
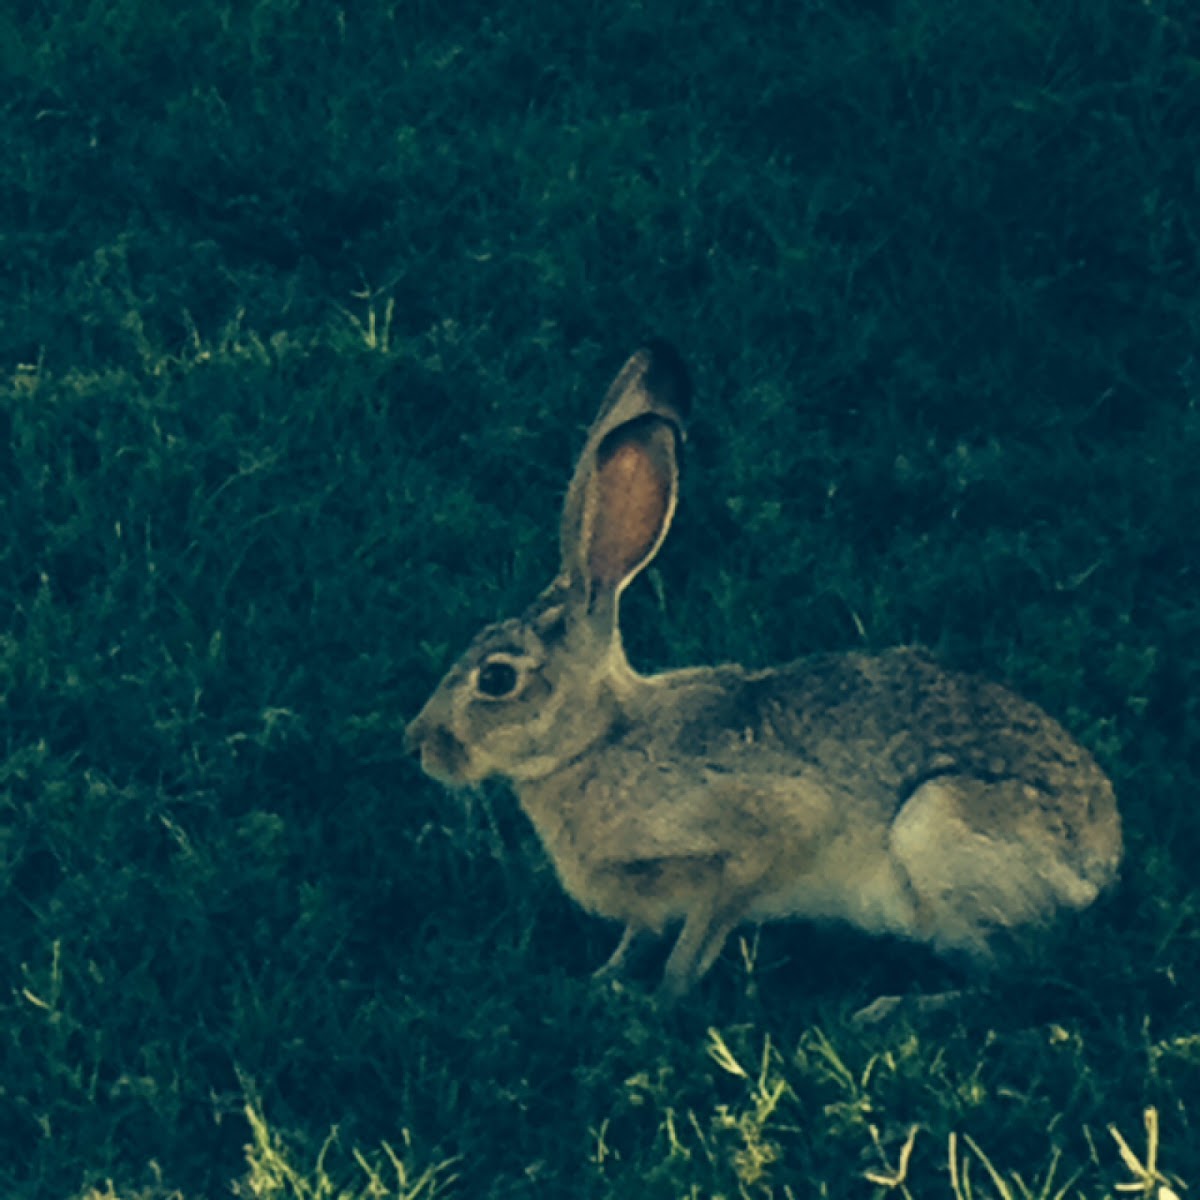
881, 790
878, 790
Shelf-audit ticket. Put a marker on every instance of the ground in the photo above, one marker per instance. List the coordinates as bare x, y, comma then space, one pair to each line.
304, 309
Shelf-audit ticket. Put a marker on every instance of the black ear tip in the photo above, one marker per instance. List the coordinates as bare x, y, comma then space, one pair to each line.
667, 374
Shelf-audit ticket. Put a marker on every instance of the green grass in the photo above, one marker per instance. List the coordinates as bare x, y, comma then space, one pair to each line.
303, 310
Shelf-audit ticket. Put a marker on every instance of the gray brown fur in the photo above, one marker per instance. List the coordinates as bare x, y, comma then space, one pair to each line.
882, 790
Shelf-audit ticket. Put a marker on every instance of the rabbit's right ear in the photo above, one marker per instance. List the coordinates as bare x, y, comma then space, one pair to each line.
622, 496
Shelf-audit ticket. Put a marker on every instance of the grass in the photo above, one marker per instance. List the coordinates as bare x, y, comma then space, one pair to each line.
303, 309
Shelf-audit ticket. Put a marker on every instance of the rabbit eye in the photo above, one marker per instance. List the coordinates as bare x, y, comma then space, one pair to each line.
497, 679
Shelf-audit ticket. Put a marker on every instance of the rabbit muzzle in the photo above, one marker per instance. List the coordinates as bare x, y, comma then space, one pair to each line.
443, 757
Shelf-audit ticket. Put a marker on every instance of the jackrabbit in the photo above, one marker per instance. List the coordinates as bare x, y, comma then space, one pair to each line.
878, 789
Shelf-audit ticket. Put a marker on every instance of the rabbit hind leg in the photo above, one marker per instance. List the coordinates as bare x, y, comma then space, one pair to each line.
981, 858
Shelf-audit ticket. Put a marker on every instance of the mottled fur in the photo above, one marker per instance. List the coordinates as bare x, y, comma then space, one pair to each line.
882, 790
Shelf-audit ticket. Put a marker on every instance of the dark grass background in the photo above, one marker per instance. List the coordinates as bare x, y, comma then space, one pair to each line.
303, 310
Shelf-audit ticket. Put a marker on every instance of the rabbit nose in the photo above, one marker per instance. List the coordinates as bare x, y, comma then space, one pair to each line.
414, 735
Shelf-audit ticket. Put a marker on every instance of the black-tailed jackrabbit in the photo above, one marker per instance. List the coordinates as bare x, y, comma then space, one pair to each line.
878, 789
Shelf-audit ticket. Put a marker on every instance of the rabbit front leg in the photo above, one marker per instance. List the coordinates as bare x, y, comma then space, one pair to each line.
707, 889
700, 941
633, 939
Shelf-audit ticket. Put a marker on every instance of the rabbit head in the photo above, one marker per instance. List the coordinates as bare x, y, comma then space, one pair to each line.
534, 692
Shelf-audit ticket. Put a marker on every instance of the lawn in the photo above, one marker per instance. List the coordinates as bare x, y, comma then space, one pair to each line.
304, 311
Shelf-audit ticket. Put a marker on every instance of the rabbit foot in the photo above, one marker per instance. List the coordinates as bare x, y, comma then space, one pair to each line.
887, 1008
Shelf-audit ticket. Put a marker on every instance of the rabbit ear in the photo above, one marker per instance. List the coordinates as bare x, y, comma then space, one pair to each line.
622, 495
629, 502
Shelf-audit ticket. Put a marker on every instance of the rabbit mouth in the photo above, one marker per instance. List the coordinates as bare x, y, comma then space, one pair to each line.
445, 758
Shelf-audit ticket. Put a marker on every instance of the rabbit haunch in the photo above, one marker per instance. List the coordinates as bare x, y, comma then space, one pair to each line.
881, 790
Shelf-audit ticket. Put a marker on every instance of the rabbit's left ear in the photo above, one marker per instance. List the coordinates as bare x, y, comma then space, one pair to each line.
629, 502
622, 496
